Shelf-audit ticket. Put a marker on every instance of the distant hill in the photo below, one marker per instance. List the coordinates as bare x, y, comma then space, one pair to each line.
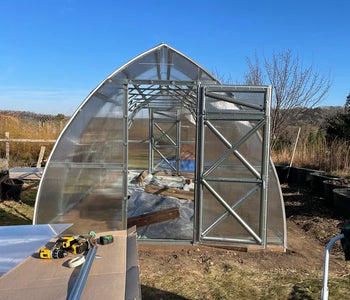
26, 115
312, 116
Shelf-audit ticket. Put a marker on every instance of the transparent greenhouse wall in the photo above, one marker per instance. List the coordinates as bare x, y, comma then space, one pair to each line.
141, 202
232, 167
83, 180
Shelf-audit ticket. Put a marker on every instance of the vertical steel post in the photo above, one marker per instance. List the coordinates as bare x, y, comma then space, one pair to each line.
199, 164
178, 142
125, 157
151, 140
265, 169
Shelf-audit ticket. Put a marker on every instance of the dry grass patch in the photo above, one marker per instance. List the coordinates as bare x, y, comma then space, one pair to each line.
20, 212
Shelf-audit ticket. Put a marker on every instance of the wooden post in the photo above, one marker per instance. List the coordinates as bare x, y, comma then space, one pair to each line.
7, 136
41, 156
295, 147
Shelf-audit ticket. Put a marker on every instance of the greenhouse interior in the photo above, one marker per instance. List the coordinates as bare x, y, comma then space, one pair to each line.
163, 145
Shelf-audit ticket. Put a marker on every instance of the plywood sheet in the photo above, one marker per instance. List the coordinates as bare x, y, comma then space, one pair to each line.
37, 278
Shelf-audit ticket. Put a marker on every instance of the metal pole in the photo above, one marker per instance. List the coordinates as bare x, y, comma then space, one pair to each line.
325, 291
79, 284
151, 139
178, 142
125, 158
199, 164
165, 133
164, 158
265, 170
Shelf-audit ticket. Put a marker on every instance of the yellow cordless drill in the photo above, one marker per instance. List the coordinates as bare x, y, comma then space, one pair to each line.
63, 245
56, 251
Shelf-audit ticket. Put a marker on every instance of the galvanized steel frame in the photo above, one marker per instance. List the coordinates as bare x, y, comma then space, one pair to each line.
125, 155
256, 113
260, 114
175, 145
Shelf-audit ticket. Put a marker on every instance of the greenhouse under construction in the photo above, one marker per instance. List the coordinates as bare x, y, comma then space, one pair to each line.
163, 145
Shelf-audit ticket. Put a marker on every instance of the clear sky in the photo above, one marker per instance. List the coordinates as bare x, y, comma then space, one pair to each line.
53, 53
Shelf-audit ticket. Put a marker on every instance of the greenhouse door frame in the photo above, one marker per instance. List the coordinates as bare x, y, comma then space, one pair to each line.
158, 117
248, 112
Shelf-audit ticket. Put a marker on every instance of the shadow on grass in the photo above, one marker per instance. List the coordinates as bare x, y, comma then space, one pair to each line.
7, 218
298, 293
301, 202
19, 213
150, 293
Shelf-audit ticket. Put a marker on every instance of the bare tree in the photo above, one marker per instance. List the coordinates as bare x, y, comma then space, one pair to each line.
294, 86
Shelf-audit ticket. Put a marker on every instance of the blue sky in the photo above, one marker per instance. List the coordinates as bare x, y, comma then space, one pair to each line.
53, 53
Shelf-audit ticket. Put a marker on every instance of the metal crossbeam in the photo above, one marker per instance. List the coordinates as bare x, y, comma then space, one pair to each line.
233, 148
226, 213
231, 211
235, 152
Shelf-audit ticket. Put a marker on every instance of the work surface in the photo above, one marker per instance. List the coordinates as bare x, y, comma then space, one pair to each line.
113, 276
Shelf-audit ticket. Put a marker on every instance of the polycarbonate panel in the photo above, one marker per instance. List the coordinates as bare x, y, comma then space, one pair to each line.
276, 226
82, 182
163, 63
19, 242
85, 178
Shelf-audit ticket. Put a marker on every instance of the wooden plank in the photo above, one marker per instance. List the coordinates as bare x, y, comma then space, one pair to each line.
41, 156
7, 137
154, 217
165, 191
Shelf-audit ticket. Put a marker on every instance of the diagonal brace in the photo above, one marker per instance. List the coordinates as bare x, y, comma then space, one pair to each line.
232, 212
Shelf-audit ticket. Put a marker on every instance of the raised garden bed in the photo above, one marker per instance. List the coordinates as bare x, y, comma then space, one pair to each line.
332, 184
342, 202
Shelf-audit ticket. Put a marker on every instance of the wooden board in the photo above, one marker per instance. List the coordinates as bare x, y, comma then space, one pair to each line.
154, 217
37, 278
159, 190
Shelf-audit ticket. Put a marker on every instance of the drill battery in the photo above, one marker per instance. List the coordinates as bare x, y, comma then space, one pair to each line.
66, 241
106, 239
79, 247
74, 244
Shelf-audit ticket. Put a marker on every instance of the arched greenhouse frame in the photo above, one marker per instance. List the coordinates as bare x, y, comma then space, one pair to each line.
162, 121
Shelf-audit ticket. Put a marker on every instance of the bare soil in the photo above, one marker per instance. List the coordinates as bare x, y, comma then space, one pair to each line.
200, 272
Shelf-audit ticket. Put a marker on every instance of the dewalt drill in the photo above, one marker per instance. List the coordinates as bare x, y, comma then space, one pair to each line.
56, 251
65, 244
